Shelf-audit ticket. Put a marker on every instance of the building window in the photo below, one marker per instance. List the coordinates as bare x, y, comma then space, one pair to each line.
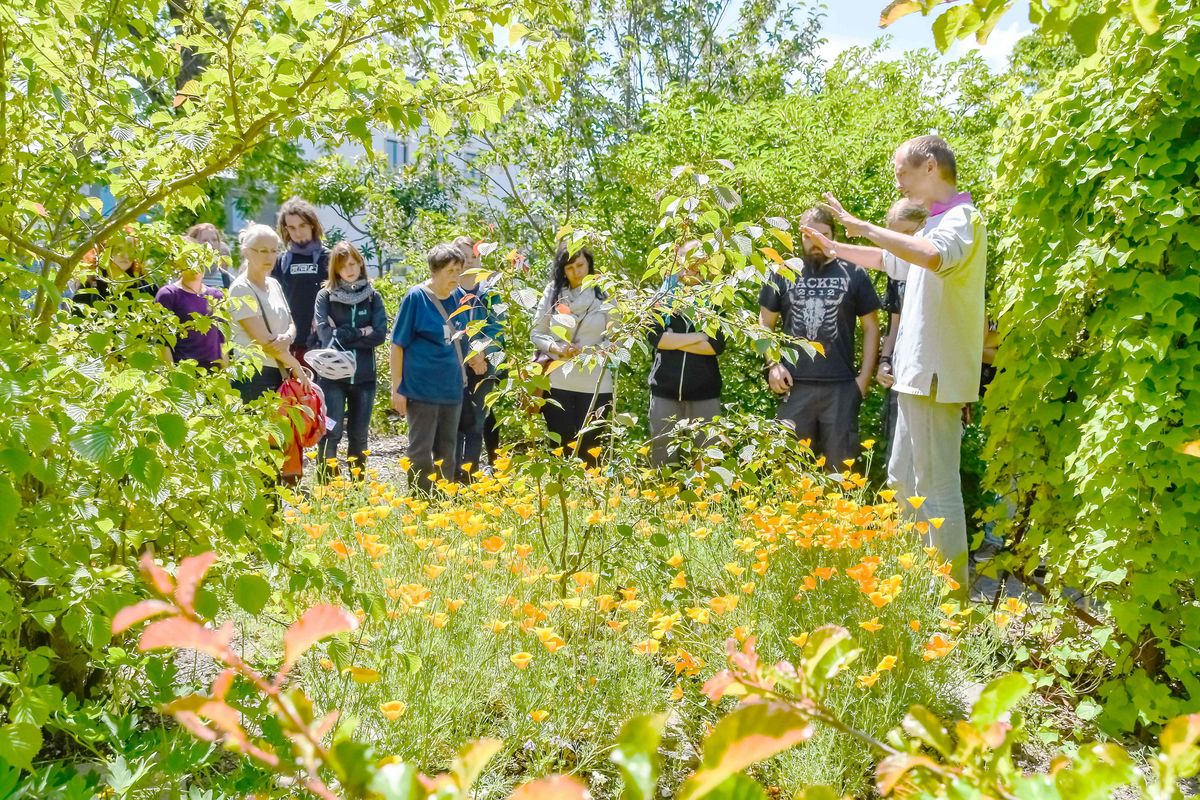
397, 153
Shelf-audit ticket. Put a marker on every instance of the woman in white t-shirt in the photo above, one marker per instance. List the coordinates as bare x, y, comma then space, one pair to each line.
263, 328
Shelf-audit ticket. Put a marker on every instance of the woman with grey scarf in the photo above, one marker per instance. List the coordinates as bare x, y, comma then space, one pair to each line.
349, 315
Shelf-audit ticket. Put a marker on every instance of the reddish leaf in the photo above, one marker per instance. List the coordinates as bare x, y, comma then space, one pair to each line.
750, 734
315, 624
177, 633
771, 253
40, 209
326, 724
223, 683
196, 726
180, 99
317, 787
156, 576
718, 685
894, 767
555, 787
139, 612
188, 577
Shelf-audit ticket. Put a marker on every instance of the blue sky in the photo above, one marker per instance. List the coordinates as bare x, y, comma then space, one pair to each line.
856, 22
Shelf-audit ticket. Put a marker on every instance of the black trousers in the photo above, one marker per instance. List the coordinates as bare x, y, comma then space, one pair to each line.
569, 421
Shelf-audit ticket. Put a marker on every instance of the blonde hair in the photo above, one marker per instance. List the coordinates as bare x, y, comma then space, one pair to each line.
339, 256
255, 231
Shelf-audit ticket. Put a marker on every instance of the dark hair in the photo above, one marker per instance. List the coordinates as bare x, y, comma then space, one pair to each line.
922, 148
441, 256
818, 215
298, 207
905, 210
341, 253
562, 257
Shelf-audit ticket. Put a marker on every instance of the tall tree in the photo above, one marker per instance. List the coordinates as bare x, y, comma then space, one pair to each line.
90, 97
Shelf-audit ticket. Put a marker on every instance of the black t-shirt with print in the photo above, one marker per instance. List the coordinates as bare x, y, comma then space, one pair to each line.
822, 305
301, 277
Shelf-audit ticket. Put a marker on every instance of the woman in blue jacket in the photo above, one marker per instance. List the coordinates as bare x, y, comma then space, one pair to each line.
350, 316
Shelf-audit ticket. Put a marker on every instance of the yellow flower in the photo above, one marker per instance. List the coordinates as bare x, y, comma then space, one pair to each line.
886, 663
799, 640
521, 660
677, 693
393, 709
871, 625
364, 675
405, 463
439, 619
647, 647
433, 570
906, 560
887, 495
916, 501
936, 522
680, 581
734, 569
676, 560
326, 663
868, 444
539, 715
748, 587
867, 681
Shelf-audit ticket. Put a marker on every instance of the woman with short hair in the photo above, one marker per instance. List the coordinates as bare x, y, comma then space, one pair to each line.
262, 322
303, 266
580, 395
428, 368
350, 317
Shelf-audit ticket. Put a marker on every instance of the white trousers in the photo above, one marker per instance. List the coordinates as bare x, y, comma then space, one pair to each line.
926, 451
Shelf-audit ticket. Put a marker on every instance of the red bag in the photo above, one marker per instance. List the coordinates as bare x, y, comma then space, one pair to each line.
305, 410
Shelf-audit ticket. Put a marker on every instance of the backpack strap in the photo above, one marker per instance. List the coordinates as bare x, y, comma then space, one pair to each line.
457, 341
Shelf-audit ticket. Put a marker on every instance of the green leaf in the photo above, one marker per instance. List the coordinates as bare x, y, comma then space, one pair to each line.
828, 650
438, 121
921, 723
1146, 14
94, 442
659, 540
738, 787
251, 592
998, 697
173, 427
636, 754
751, 733
19, 743
397, 782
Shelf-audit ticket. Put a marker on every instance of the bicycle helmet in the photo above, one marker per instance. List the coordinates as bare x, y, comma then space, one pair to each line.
334, 365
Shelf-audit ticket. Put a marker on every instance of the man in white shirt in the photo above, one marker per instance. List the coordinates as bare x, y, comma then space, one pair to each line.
940, 343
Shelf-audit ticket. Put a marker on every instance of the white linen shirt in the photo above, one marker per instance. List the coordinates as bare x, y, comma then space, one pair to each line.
940, 341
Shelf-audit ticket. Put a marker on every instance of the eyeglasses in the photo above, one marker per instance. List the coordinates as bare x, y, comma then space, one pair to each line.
263, 250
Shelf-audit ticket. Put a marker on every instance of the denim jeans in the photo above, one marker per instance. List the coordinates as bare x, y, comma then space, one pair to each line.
349, 406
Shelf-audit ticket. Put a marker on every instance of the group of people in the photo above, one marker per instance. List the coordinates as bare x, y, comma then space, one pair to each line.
295, 297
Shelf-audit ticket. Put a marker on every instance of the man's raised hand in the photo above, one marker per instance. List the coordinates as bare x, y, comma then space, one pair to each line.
853, 225
822, 242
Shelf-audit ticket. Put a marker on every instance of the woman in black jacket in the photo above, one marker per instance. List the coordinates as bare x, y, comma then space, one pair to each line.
685, 379
349, 316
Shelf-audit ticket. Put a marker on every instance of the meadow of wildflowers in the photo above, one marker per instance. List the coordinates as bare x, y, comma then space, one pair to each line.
486, 613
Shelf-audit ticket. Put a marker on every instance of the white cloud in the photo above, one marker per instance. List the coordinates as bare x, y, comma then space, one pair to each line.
999, 45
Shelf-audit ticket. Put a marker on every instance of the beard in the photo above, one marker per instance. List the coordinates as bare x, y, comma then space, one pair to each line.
814, 259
